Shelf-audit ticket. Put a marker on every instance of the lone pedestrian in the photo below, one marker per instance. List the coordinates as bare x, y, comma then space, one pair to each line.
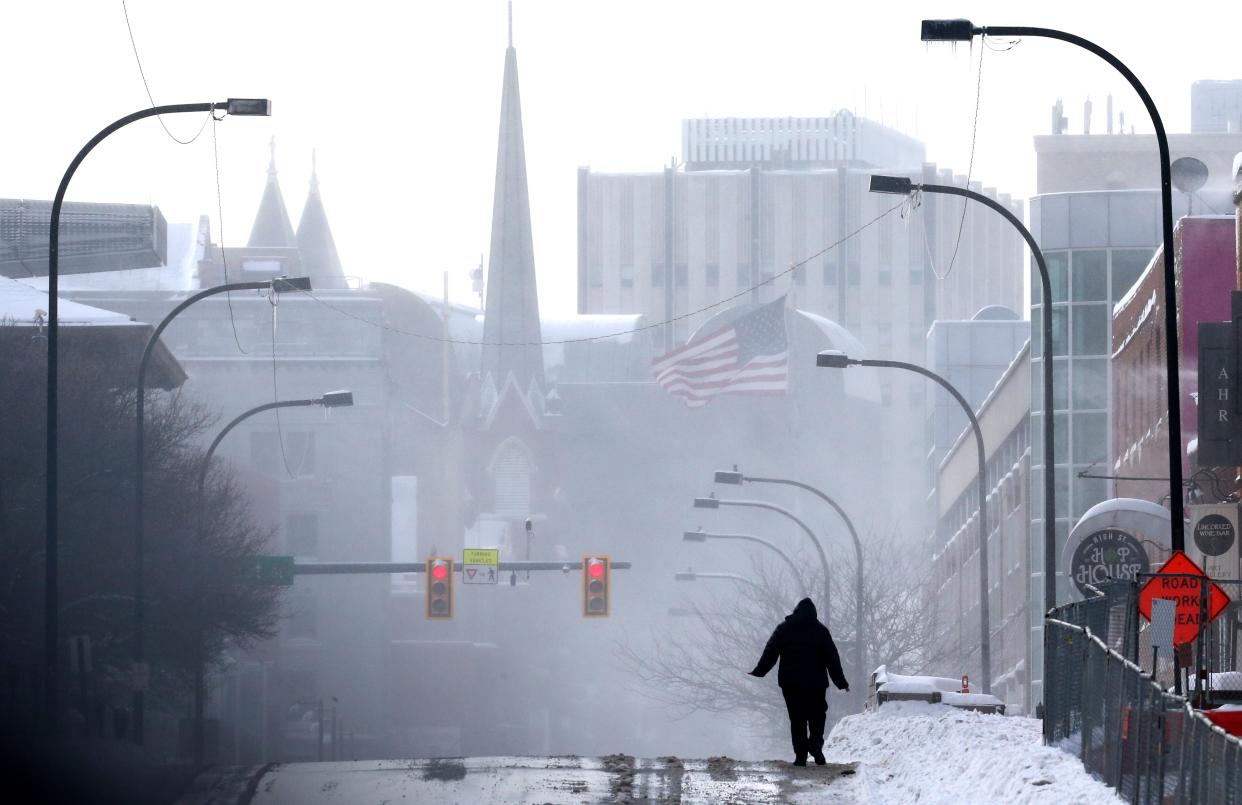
808, 658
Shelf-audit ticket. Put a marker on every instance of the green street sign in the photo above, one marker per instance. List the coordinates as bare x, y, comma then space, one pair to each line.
273, 571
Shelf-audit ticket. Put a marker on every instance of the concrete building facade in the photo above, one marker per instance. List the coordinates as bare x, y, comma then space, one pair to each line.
769, 208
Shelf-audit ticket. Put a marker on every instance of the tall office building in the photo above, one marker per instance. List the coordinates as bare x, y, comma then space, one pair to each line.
783, 204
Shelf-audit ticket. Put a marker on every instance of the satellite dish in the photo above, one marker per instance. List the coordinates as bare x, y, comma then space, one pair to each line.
1189, 174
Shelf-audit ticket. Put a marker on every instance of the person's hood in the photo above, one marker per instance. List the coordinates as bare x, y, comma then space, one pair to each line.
804, 609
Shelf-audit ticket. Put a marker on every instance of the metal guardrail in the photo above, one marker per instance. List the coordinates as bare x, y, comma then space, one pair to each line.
1147, 743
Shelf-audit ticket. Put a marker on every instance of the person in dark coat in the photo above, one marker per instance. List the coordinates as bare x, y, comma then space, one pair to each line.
808, 658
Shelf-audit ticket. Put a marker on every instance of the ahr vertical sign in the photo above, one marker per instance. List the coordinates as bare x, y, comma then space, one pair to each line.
1218, 406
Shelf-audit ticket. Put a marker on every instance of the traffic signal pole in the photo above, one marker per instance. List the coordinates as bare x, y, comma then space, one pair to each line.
338, 568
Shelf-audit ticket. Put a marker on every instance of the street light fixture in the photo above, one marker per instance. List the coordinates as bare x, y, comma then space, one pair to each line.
902, 185
735, 478
712, 502
275, 285
964, 31
690, 575
835, 359
704, 536
332, 399
51, 614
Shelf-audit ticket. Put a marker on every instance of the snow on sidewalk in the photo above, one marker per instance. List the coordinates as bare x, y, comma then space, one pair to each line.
933, 753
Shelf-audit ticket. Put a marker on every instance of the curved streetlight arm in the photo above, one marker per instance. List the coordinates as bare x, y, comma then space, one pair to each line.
1050, 559
51, 496
793, 568
849, 524
140, 400
211, 451
730, 576
955, 30
823, 557
985, 650
858, 575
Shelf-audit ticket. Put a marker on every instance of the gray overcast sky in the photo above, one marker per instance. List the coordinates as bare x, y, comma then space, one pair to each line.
402, 100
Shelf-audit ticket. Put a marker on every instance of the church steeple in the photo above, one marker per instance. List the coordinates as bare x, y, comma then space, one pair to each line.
319, 258
511, 312
271, 223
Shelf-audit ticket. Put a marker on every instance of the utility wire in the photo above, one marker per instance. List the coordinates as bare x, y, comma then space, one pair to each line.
147, 86
974, 134
768, 281
280, 434
224, 260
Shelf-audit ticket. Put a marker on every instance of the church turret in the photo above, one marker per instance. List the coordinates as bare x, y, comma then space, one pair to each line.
271, 223
314, 239
511, 312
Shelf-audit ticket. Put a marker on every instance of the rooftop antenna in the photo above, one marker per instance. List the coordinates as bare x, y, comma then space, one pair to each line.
510, 23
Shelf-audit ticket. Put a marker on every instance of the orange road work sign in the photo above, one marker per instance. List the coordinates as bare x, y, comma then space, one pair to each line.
1176, 580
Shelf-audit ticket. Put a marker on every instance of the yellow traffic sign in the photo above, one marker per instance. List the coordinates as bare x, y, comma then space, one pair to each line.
480, 565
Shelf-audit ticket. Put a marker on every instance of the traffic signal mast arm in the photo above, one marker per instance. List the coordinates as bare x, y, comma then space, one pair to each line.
331, 568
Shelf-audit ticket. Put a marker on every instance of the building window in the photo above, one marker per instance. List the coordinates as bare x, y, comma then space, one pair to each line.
885, 276
681, 275
884, 331
1057, 263
711, 275
852, 275
799, 275
1089, 270
657, 275
886, 395
1090, 329
627, 275
916, 275
830, 272
298, 456
302, 534
743, 275
596, 274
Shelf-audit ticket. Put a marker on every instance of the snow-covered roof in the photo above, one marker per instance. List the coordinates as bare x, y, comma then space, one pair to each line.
22, 304
111, 339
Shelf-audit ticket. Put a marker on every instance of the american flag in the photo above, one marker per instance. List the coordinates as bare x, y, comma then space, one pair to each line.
747, 356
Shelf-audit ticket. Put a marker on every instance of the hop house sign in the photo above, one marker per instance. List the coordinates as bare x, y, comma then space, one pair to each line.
1109, 554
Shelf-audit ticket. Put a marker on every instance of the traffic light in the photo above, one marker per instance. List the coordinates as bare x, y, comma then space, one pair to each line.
595, 586
439, 587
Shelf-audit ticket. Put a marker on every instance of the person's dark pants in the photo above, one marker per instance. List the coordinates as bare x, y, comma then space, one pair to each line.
808, 709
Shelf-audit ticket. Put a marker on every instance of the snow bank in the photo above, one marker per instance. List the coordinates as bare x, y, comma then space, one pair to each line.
933, 753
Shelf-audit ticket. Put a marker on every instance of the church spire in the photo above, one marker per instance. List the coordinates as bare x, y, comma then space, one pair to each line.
511, 331
271, 222
314, 239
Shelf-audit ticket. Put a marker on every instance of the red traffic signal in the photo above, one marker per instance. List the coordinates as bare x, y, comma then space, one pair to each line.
439, 588
596, 586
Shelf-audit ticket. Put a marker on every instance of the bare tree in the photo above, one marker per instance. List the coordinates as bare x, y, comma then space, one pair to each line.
701, 663
198, 555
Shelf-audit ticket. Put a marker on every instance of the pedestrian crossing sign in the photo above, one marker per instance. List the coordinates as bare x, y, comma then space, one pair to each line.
480, 566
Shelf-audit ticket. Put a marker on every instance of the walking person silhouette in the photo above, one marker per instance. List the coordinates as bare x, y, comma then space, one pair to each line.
808, 658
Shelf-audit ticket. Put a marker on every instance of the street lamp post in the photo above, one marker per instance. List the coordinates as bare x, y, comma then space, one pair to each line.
736, 478
691, 575
965, 31
901, 185
833, 359
276, 285
333, 399
713, 502
51, 616
704, 536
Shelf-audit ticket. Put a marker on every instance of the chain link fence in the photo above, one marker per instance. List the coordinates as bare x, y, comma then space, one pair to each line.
1109, 701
